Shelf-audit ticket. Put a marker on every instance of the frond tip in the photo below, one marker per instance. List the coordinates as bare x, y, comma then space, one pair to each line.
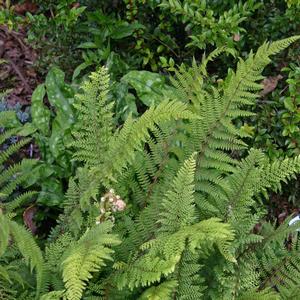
94, 129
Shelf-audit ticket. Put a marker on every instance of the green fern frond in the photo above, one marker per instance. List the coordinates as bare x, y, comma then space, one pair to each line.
88, 255
27, 247
4, 155
31, 253
240, 89
191, 227
15, 175
53, 258
94, 130
190, 284
7, 134
18, 201
136, 132
277, 46
4, 233
281, 269
266, 294
164, 253
189, 83
161, 292
280, 171
80, 196
55, 295
6, 292
178, 209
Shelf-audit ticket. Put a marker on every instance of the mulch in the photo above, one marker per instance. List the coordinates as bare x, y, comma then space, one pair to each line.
17, 72
18, 76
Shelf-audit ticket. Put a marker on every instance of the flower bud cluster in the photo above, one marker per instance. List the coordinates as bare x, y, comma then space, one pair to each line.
109, 203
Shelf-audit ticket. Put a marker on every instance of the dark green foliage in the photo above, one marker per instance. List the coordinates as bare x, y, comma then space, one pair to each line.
59, 29
277, 124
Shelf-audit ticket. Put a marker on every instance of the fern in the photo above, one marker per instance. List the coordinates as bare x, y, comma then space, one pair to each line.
94, 129
54, 295
166, 250
87, 256
11, 176
178, 209
27, 247
162, 291
53, 256
151, 267
191, 205
134, 133
4, 155
190, 283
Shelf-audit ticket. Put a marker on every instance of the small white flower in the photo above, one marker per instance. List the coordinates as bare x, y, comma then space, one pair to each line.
118, 197
111, 199
102, 210
120, 205
98, 222
112, 191
102, 199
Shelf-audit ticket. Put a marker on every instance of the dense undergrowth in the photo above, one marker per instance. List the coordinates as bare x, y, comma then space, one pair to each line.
158, 156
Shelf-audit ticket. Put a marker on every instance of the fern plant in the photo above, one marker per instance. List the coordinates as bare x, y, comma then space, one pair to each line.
15, 239
223, 187
165, 206
13, 174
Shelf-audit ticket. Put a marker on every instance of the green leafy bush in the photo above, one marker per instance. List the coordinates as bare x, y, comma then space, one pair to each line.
138, 34
276, 124
205, 27
61, 30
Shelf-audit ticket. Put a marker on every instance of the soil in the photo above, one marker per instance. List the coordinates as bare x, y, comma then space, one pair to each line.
17, 73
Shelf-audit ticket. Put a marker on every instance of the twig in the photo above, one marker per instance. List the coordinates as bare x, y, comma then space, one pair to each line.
15, 35
283, 90
164, 44
19, 73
